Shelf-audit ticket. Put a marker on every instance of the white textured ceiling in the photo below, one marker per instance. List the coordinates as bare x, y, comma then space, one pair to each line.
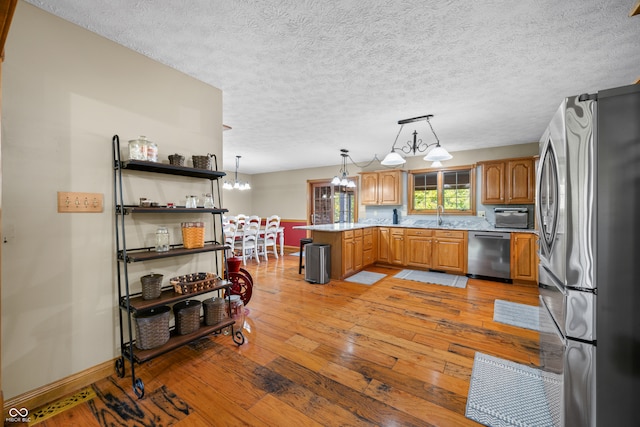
304, 78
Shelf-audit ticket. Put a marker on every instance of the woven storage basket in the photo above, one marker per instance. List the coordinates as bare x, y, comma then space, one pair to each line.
151, 286
214, 310
176, 160
194, 282
201, 162
152, 327
193, 235
187, 314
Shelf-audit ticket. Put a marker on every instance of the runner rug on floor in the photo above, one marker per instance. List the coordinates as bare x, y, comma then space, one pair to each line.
504, 393
515, 314
365, 277
433, 277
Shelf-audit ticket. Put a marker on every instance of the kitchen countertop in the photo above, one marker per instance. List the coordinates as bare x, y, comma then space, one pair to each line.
476, 226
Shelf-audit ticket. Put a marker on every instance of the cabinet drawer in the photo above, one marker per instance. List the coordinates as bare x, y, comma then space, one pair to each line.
452, 234
367, 232
357, 233
419, 232
347, 234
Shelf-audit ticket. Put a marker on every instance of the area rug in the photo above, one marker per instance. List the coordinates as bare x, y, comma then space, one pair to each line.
515, 314
433, 277
365, 277
504, 393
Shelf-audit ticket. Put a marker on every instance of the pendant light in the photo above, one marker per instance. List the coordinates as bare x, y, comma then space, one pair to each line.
438, 153
342, 178
236, 185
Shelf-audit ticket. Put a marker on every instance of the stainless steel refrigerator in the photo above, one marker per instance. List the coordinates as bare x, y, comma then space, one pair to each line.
587, 216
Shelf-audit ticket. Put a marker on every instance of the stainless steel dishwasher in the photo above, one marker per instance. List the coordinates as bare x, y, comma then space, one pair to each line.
489, 254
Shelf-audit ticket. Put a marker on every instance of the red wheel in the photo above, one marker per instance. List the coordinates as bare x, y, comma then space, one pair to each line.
246, 273
241, 285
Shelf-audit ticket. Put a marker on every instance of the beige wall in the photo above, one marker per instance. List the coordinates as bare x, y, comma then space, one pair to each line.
285, 193
66, 92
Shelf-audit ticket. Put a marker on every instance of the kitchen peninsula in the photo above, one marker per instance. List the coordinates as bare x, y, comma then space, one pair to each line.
416, 244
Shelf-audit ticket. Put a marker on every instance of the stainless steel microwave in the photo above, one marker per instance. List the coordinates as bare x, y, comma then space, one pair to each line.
512, 217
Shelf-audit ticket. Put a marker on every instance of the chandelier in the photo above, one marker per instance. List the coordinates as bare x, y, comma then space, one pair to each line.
342, 178
236, 185
436, 154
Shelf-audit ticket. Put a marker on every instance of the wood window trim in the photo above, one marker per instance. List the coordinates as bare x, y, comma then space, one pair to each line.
310, 184
411, 187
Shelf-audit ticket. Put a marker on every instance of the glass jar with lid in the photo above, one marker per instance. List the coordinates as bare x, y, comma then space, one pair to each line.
152, 151
138, 148
162, 239
236, 312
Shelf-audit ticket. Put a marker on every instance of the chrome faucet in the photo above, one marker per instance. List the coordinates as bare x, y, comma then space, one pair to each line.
439, 215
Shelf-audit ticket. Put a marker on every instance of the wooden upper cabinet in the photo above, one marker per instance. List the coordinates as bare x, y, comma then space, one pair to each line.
521, 181
381, 188
508, 181
493, 183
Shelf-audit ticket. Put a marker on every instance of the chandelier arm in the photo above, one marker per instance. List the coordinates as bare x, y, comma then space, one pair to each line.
434, 132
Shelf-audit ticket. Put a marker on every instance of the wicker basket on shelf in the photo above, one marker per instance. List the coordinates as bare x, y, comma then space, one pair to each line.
151, 286
187, 315
202, 162
152, 327
194, 282
193, 235
214, 310
176, 159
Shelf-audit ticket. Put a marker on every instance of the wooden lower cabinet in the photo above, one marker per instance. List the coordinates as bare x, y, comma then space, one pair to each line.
419, 247
369, 246
524, 257
450, 251
424, 248
351, 250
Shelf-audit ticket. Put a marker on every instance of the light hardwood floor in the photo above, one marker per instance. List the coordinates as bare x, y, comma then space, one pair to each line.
396, 353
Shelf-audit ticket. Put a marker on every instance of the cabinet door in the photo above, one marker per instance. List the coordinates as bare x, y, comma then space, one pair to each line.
493, 188
396, 247
521, 181
384, 238
389, 186
348, 264
450, 251
524, 258
369, 189
358, 260
419, 248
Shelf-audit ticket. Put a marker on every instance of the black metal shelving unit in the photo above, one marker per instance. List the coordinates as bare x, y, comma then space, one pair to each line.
131, 303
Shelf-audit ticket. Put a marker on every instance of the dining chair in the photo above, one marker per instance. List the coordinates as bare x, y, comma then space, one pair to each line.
248, 244
230, 229
268, 237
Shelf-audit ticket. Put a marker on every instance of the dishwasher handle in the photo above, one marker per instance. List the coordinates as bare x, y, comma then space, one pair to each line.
490, 235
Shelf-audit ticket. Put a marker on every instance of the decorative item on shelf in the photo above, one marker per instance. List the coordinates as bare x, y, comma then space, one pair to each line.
151, 286
152, 327
342, 178
187, 316
438, 153
236, 185
202, 162
208, 201
214, 310
236, 312
176, 159
191, 202
162, 239
194, 282
192, 235
143, 149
